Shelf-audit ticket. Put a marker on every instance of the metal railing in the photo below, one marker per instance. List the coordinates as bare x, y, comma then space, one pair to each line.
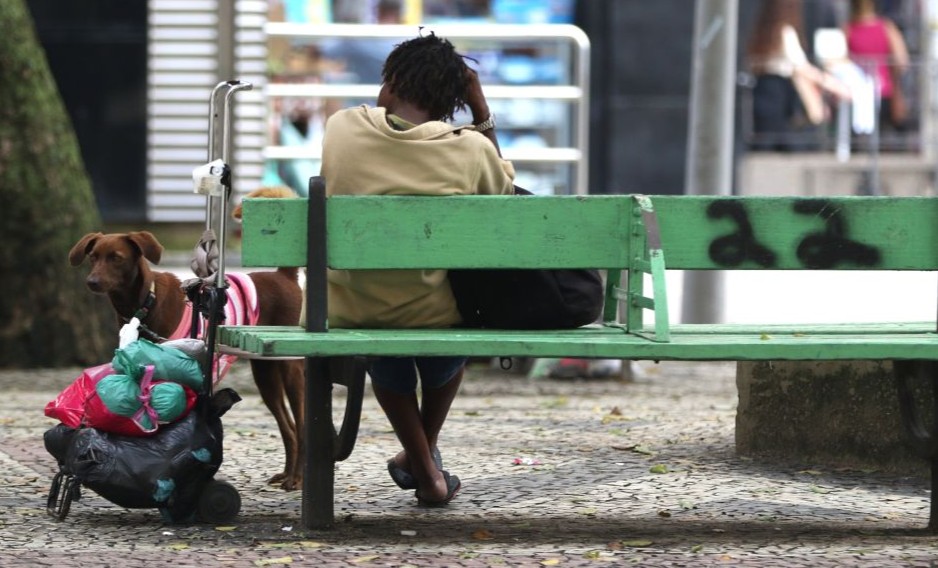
835, 135
575, 92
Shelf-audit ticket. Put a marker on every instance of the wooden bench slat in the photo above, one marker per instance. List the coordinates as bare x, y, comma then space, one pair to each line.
902, 232
440, 232
688, 342
463, 231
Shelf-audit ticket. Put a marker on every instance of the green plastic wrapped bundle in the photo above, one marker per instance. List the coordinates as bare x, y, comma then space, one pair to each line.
170, 364
120, 394
168, 400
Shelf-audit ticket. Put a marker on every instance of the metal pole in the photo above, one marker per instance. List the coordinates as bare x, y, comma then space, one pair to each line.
710, 136
225, 40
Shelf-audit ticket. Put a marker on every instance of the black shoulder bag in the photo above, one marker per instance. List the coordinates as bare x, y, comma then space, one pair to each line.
527, 298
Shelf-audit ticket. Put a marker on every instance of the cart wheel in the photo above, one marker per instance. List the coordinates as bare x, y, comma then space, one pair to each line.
65, 489
219, 502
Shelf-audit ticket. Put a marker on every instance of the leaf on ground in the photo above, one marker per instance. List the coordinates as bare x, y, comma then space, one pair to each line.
225, 529
817, 489
811, 472
483, 534
364, 559
696, 548
556, 403
658, 468
765, 337
550, 562
610, 418
593, 554
637, 543
274, 561
309, 544
179, 546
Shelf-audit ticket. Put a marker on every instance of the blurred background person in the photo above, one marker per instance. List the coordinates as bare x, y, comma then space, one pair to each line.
876, 44
788, 101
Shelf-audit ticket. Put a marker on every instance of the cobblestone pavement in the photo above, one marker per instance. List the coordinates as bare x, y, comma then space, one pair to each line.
613, 473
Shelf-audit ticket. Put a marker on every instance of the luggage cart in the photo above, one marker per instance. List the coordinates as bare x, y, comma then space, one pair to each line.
196, 494
219, 501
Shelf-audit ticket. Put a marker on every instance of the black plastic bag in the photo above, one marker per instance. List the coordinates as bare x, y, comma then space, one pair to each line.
166, 471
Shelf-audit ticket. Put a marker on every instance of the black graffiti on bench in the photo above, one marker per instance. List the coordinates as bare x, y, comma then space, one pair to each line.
817, 250
827, 248
738, 247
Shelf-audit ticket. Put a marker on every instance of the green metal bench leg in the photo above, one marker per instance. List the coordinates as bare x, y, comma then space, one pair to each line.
923, 439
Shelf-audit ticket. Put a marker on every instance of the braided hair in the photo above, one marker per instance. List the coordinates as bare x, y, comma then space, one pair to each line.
428, 72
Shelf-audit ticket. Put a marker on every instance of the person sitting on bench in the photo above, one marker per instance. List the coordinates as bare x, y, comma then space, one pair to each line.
408, 146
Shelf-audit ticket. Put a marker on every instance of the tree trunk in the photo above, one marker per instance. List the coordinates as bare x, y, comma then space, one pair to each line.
47, 316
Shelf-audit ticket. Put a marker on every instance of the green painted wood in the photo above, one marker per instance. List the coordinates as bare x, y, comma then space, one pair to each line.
594, 231
688, 342
273, 232
445, 232
904, 230
472, 231
478, 231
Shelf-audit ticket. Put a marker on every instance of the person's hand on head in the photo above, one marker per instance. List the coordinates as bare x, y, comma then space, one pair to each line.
479, 107
475, 99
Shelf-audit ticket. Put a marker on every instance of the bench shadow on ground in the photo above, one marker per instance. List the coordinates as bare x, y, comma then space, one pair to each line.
510, 531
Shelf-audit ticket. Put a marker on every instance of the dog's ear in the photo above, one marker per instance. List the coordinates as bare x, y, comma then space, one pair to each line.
150, 248
82, 248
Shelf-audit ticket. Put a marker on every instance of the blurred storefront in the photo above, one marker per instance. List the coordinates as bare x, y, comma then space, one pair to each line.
590, 95
532, 62
307, 58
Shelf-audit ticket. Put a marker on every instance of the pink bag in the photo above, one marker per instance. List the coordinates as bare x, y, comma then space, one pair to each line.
69, 407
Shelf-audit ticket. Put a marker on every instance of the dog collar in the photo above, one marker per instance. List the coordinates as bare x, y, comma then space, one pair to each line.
144, 310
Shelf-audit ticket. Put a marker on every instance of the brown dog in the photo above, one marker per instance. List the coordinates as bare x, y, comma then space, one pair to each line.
120, 270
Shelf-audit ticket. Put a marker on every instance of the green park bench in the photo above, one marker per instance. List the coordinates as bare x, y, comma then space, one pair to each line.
631, 235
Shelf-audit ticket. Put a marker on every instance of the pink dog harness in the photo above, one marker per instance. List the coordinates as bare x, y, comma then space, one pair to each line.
241, 309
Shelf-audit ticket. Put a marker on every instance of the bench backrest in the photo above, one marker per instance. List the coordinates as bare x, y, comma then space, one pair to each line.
639, 234
594, 231
444, 232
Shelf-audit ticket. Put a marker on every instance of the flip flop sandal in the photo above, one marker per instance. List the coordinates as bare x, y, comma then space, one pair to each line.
453, 486
403, 479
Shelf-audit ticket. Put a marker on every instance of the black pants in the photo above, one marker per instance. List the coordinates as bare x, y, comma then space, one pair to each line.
776, 113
